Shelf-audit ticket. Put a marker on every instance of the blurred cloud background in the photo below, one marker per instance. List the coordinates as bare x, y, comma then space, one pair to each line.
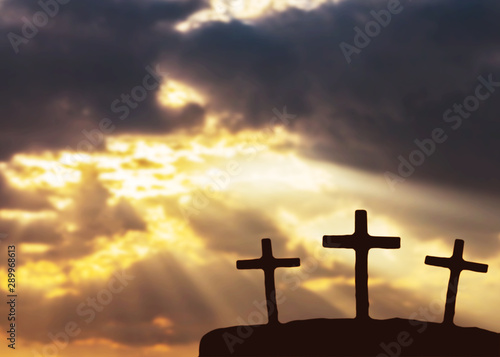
257, 127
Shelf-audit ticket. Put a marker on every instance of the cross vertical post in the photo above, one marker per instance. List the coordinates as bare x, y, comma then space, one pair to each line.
268, 263
361, 242
456, 264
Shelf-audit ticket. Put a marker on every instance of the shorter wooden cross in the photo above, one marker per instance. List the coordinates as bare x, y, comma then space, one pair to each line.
456, 264
269, 263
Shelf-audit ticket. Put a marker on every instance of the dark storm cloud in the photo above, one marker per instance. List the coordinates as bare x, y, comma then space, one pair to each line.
65, 79
367, 113
363, 114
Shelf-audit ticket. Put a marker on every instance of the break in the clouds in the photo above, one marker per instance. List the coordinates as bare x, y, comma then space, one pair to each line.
364, 114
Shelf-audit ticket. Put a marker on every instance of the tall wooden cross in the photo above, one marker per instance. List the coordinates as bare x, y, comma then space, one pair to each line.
456, 264
361, 242
269, 263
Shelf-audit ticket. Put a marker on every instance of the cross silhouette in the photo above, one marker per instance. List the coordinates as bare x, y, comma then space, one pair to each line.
269, 263
361, 242
456, 264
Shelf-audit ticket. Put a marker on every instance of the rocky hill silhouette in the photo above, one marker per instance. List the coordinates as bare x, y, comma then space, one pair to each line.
361, 336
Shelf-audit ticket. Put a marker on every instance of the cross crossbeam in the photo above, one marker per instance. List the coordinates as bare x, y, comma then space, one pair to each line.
361, 242
268, 263
456, 264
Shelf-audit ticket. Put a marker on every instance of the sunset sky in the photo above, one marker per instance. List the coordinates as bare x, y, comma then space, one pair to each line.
146, 145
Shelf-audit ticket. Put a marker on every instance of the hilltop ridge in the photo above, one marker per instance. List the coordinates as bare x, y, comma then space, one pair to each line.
351, 337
